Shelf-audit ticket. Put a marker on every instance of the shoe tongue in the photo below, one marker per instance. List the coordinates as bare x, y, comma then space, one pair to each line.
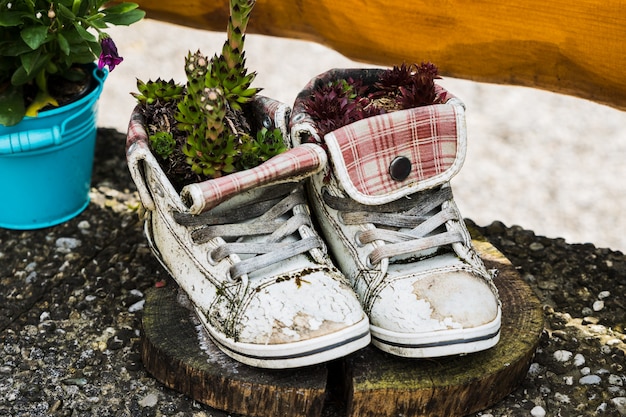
291, 166
386, 157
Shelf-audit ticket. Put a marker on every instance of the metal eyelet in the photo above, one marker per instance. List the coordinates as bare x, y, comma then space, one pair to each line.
357, 240
267, 122
209, 257
229, 276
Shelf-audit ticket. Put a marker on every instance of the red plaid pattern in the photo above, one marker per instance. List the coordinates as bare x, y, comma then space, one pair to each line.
428, 136
291, 165
136, 131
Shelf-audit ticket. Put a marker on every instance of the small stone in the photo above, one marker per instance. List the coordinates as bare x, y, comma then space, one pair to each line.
585, 370
562, 398
590, 380
138, 306
66, 244
579, 360
75, 381
538, 411
616, 380
562, 355
598, 305
548, 285
569, 380
536, 246
84, 224
534, 369
149, 400
603, 294
620, 404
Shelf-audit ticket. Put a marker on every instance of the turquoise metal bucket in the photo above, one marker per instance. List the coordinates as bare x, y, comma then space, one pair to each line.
46, 163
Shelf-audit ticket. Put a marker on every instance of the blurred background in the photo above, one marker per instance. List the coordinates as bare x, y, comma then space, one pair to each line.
550, 163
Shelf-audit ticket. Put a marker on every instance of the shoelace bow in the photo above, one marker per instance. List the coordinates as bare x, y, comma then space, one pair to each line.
421, 213
274, 216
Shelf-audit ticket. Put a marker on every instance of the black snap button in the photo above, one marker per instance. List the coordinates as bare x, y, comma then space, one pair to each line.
400, 168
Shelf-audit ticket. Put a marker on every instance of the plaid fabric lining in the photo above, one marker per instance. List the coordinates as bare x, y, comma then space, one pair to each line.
293, 164
362, 151
136, 132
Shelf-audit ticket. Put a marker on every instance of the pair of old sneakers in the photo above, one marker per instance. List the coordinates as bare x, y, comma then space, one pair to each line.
401, 272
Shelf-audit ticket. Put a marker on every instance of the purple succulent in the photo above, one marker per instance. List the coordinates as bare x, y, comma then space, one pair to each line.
109, 56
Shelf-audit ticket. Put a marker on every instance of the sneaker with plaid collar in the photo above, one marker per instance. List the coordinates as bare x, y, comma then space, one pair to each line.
385, 207
243, 249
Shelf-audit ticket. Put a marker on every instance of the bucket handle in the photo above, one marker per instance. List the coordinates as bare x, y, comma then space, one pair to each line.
30, 140
33, 139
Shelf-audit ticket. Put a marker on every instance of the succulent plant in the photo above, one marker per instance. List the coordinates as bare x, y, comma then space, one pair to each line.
209, 109
344, 101
152, 91
338, 103
163, 143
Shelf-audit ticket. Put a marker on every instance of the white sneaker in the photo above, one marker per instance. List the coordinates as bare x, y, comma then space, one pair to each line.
243, 249
385, 208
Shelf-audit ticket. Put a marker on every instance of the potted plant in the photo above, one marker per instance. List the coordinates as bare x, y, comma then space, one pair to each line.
394, 139
49, 87
222, 195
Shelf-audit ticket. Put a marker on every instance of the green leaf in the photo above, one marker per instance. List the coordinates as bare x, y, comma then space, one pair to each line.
20, 76
34, 36
64, 45
12, 108
8, 19
65, 12
16, 48
124, 19
121, 8
29, 61
84, 34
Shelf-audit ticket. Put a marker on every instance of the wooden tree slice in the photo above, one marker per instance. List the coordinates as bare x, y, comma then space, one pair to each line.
384, 385
177, 352
373, 383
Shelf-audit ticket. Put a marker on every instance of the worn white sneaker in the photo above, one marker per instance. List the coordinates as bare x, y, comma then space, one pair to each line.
243, 249
385, 207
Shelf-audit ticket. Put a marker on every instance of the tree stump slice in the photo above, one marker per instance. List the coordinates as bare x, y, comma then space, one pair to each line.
177, 352
383, 385
372, 383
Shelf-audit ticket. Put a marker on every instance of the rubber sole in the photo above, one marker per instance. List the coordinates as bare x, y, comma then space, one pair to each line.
296, 354
438, 343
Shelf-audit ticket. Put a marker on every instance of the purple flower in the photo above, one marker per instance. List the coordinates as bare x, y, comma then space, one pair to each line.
108, 56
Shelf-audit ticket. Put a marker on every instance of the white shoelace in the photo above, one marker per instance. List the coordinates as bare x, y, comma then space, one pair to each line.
409, 225
274, 221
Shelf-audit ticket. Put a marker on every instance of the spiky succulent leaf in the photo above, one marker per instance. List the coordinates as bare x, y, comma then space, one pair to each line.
151, 91
409, 85
339, 103
228, 70
211, 148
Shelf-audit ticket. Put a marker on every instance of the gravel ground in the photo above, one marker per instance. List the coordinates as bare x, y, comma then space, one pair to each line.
71, 299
